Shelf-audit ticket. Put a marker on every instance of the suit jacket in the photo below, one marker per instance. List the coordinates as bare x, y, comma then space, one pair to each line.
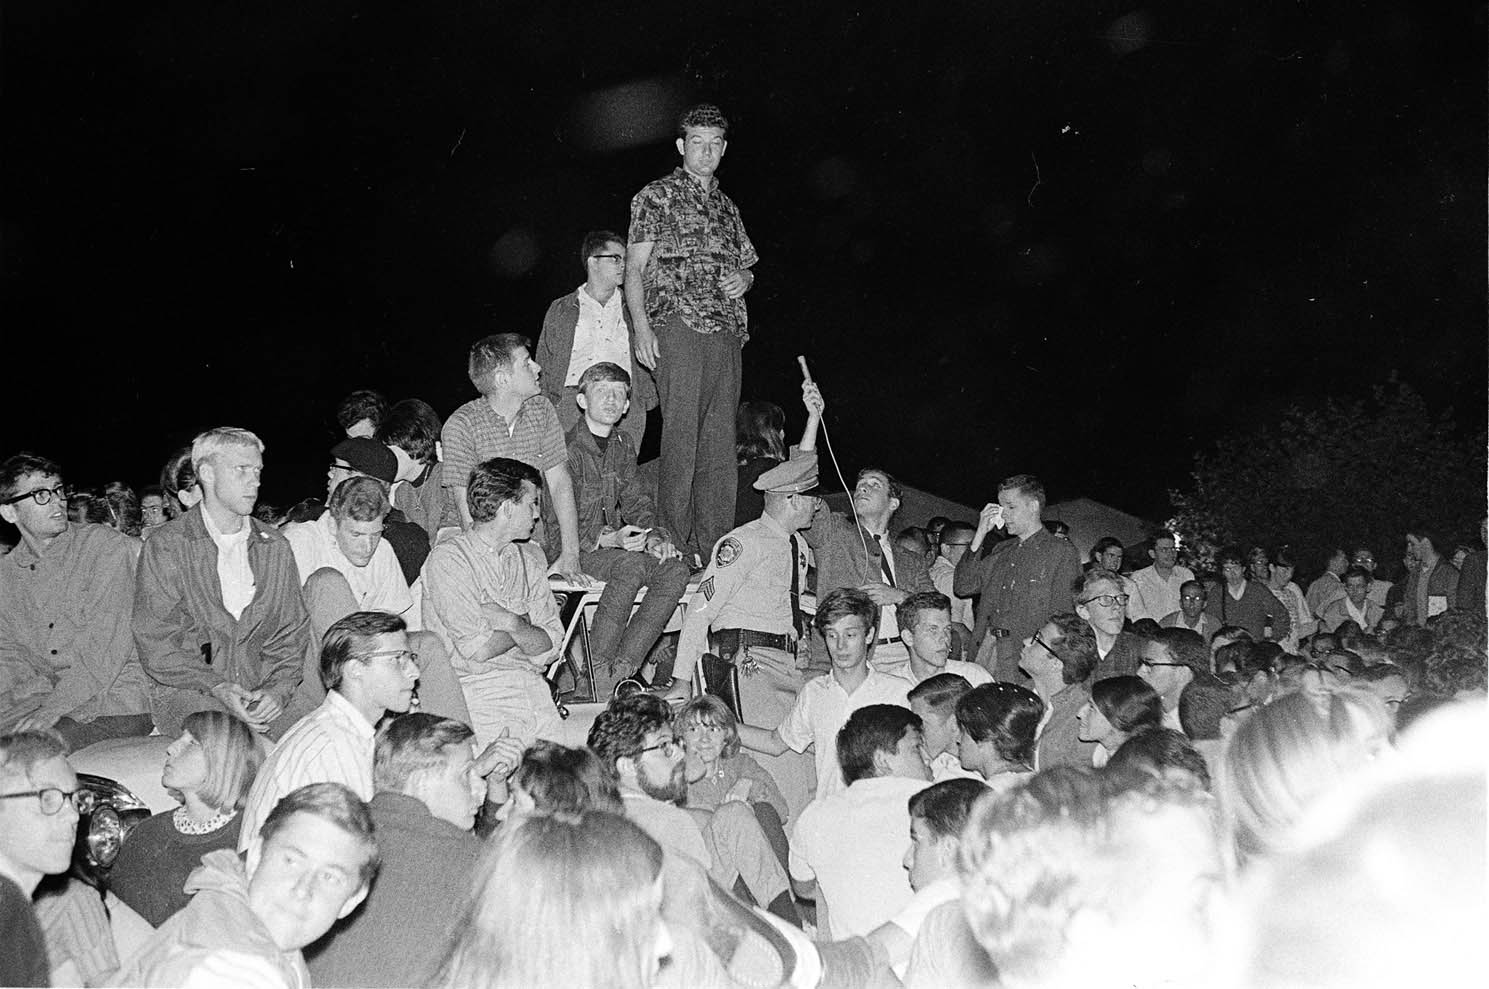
178, 611
556, 346
1059, 743
1443, 580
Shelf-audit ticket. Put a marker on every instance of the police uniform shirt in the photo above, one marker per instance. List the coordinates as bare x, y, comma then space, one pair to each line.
747, 585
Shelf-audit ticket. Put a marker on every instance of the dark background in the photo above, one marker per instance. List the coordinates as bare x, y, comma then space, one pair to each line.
1079, 239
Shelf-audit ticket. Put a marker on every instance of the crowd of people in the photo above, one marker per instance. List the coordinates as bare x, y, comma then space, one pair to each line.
944, 754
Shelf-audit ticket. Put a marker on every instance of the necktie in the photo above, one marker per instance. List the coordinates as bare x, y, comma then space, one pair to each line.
796, 614
884, 562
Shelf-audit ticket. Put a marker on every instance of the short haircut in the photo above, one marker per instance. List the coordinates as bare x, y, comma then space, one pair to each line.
944, 807
350, 638
1075, 649
908, 611
702, 115
1235, 633
362, 404
1421, 530
843, 602
335, 804
1128, 702
896, 491
22, 751
595, 242
1283, 556
604, 371
413, 426
621, 729
20, 465
1056, 528
362, 499
1096, 576
493, 353
1005, 714
872, 728
1229, 554
1163, 534
1186, 646
708, 710
564, 780
414, 743
234, 753
493, 483
1105, 543
915, 536
1026, 484
214, 441
1360, 572
1196, 584
940, 692
957, 528
1202, 703
1154, 752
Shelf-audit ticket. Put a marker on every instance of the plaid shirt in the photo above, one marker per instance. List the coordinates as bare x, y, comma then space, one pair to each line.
474, 433
697, 238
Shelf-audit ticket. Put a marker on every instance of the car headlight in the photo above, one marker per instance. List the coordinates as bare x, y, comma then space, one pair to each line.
105, 835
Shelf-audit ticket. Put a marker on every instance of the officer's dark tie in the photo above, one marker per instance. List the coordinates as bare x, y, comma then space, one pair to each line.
797, 621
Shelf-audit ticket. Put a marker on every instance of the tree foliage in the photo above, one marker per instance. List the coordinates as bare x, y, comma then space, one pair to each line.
1346, 474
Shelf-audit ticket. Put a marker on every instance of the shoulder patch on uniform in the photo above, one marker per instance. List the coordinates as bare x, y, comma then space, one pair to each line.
727, 552
707, 588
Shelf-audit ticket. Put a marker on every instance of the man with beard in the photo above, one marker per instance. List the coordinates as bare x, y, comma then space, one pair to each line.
636, 738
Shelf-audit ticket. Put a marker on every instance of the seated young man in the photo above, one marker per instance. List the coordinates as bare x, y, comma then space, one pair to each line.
367, 670
926, 630
847, 618
429, 788
934, 702
67, 655
486, 596
619, 539
247, 926
346, 565
1059, 660
937, 815
848, 849
363, 456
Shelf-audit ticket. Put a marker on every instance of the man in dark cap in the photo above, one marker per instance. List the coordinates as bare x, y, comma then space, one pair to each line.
361, 456
750, 599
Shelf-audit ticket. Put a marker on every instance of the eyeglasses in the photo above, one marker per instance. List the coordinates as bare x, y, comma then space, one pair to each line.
400, 655
1151, 663
1042, 644
42, 496
1109, 600
668, 747
1191, 597
608, 257
945, 543
52, 799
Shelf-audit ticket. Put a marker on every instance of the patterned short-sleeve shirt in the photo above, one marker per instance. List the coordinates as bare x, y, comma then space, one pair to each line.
697, 237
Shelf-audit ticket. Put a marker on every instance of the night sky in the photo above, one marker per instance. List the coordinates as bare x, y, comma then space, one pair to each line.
1079, 239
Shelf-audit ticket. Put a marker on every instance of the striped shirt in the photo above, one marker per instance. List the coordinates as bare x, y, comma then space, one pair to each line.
332, 744
475, 433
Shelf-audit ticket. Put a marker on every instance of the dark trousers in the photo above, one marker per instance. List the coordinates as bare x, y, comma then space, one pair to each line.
618, 640
698, 376
81, 734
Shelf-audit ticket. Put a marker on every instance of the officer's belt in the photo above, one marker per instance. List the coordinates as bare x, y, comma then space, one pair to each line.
998, 633
731, 640
886, 641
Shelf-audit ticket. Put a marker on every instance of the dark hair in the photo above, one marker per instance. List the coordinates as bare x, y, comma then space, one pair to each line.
178, 474
1357, 572
362, 499
413, 426
1185, 646
895, 490
359, 405
493, 353
1235, 633
495, 482
335, 804
702, 115
1103, 544
564, 780
944, 806
605, 371
1076, 648
120, 509
1429, 533
1005, 714
958, 527
759, 428
1028, 484
907, 612
1283, 557
594, 243
940, 691
1229, 554
414, 743
843, 602
621, 729
1162, 534
1055, 527
1128, 703
872, 728
18, 466
915, 534
1202, 703
1157, 750
349, 638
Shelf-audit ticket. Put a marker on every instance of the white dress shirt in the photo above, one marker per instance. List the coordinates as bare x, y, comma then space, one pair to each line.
599, 335
233, 571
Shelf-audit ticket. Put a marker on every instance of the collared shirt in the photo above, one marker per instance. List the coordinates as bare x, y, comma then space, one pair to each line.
697, 238
1205, 626
1154, 595
462, 574
233, 571
823, 707
853, 844
599, 335
332, 744
379, 586
475, 432
1022, 582
913, 916
971, 672
943, 575
747, 584
947, 766
66, 643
